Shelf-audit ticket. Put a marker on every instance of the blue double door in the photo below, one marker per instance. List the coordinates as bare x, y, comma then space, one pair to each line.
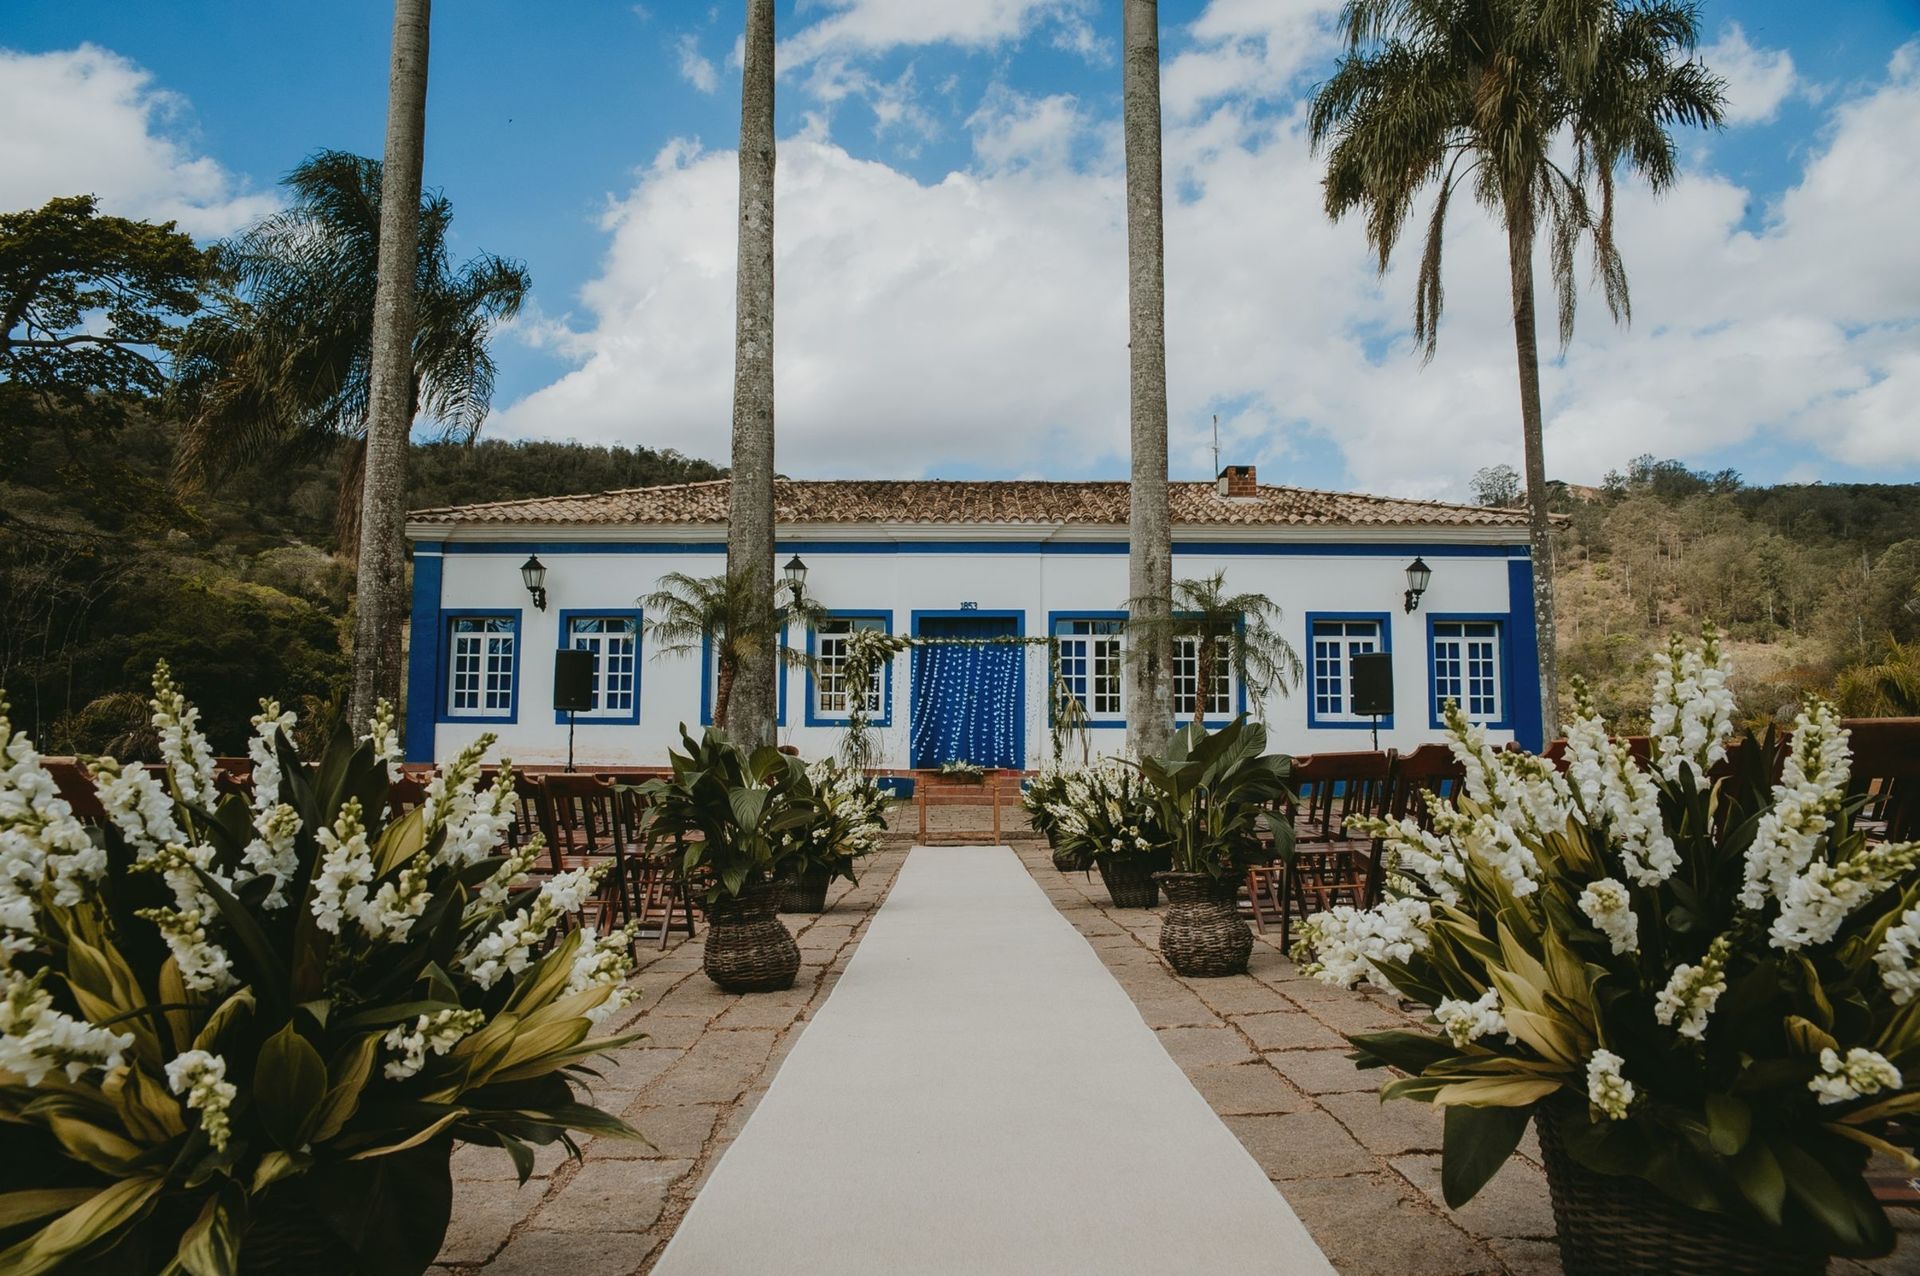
969, 696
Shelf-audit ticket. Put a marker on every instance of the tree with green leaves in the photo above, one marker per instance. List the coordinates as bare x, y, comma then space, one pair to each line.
686, 613
63, 264
1493, 95
1241, 629
284, 369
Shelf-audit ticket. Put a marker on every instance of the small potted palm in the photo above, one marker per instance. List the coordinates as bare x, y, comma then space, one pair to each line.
1109, 817
1214, 793
733, 814
850, 819
243, 1033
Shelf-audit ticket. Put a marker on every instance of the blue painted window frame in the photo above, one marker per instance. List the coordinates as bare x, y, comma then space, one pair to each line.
707, 675
567, 618
444, 665
1503, 667
1236, 688
885, 717
1384, 619
1055, 619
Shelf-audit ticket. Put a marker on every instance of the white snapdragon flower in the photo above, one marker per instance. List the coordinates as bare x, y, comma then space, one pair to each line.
1895, 957
340, 888
603, 961
188, 758
1421, 852
1860, 1074
508, 949
1341, 945
1692, 706
35, 1038
391, 912
477, 825
1813, 783
1819, 900
493, 892
1498, 845
40, 842
450, 792
202, 1078
137, 805
1617, 798
1517, 789
1692, 992
204, 965
437, 1033
1607, 1089
1608, 904
1468, 1021
384, 736
275, 823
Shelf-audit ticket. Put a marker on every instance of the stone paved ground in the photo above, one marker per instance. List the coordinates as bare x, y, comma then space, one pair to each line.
1265, 1049
689, 1087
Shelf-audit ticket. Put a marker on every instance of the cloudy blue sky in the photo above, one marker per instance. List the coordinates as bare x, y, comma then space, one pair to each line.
951, 251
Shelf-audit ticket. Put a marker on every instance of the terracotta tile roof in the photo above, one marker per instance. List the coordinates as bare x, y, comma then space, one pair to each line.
949, 501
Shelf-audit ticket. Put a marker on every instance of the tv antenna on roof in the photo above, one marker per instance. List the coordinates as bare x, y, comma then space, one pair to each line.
1216, 443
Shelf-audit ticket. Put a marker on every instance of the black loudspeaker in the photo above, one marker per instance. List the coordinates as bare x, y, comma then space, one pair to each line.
573, 680
1373, 683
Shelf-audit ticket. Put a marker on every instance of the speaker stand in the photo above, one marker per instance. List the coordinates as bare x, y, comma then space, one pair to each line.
570, 742
1376, 735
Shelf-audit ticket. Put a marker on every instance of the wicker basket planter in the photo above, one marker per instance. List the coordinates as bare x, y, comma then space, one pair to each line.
293, 1242
807, 893
1129, 880
748, 949
1203, 936
1621, 1226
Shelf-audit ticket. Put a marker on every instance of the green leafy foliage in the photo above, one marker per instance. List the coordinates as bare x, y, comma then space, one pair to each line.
738, 815
1216, 791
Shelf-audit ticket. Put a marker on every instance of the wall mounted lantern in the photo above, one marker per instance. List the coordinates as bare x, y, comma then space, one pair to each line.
1418, 574
534, 573
796, 573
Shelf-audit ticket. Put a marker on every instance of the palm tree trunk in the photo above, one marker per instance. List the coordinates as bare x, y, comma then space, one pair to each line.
1539, 527
1202, 679
723, 691
381, 589
1149, 672
750, 504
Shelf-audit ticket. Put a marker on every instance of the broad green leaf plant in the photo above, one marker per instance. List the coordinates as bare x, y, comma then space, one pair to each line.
1214, 792
224, 1012
738, 815
1702, 976
848, 822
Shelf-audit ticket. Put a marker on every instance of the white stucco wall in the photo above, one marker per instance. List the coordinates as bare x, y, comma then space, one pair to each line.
1360, 573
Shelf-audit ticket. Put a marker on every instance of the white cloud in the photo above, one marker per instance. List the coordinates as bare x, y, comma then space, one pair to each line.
1256, 48
864, 27
87, 120
1758, 80
696, 68
979, 321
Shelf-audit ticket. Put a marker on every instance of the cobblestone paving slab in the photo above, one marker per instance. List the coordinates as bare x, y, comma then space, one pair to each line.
689, 1086
1266, 1051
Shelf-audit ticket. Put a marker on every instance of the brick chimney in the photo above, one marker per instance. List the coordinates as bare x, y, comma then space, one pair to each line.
1238, 480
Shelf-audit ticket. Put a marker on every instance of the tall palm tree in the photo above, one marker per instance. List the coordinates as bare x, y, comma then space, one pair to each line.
687, 612
1205, 616
380, 598
1149, 518
750, 502
1487, 92
284, 367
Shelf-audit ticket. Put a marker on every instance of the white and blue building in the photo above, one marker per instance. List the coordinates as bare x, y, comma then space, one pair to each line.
962, 559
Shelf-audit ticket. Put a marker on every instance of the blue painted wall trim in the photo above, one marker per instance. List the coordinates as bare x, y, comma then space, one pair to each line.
1053, 627
423, 657
1523, 641
560, 644
706, 682
1314, 721
441, 669
1511, 689
1228, 549
1019, 619
885, 718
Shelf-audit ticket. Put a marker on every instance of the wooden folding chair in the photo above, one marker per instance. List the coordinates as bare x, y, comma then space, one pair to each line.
1339, 866
577, 814
1886, 770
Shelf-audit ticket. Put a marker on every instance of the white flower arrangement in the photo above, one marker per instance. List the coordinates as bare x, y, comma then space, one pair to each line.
201, 1078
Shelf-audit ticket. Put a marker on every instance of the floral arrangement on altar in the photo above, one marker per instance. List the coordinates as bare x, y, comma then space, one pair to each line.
242, 1033
961, 769
1694, 974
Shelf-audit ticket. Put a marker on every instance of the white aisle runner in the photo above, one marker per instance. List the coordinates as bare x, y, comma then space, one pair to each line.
978, 1095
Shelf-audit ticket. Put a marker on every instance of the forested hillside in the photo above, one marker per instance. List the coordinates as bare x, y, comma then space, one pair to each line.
106, 566
1817, 587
